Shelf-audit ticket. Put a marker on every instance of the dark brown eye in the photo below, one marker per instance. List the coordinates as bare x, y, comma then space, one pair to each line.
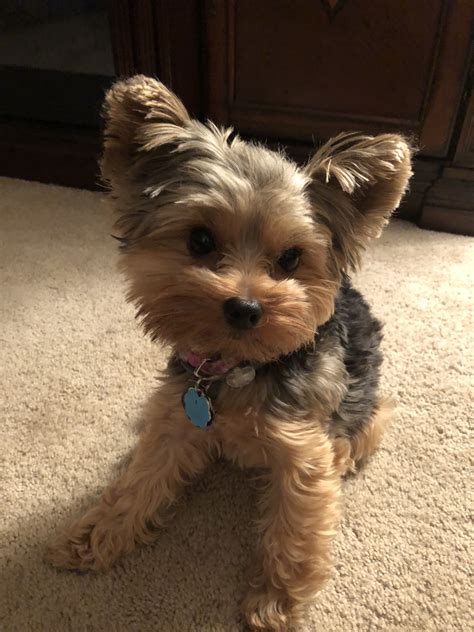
201, 242
289, 259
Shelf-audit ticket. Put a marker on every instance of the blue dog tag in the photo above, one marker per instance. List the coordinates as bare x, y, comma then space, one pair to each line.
197, 407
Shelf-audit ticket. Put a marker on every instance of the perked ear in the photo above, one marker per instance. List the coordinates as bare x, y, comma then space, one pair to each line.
357, 182
140, 114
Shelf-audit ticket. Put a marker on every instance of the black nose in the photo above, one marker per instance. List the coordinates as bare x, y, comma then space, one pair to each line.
242, 313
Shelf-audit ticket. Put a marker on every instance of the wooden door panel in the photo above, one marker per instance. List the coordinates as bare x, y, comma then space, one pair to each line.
291, 69
296, 56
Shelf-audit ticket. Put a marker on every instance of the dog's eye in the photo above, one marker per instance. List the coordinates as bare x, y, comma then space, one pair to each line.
289, 259
201, 242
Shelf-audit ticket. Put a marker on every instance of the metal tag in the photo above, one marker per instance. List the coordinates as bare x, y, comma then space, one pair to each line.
198, 407
240, 376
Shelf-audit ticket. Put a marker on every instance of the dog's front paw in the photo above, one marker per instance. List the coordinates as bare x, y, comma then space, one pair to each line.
73, 550
93, 543
268, 609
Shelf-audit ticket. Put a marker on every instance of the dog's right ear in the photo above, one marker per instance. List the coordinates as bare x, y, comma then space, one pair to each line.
357, 181
141, 115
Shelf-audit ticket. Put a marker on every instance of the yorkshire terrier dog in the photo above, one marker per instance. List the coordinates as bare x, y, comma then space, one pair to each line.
239, 260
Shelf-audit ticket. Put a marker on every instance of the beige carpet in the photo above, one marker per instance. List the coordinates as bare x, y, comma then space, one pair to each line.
74, 370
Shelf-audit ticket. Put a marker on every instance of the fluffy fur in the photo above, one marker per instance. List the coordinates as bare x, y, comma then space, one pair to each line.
313, 411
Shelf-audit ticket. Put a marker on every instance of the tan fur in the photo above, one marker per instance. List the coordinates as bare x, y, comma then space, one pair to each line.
299, 518
350, 453
299, 510
357, 182
170, 174
170, 451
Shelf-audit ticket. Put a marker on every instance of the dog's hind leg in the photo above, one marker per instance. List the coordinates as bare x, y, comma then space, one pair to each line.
349, 453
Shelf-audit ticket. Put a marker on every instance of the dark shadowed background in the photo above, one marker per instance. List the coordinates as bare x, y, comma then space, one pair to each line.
290, 72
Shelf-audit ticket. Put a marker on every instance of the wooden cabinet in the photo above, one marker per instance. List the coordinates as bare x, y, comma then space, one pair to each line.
294, 72
298, 72
448, 203
302, 70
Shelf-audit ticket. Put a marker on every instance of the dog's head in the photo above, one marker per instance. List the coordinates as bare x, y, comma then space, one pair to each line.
230, 248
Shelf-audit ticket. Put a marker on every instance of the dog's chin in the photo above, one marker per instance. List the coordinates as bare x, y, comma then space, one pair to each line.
237, 349
209, 336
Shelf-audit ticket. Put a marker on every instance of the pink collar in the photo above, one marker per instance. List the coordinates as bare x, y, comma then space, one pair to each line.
207, 366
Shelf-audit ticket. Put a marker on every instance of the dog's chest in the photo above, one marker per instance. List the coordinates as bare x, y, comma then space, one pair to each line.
240, 438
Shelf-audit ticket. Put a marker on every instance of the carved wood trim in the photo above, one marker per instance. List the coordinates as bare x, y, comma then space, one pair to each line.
449, 79
332, 7
464, 156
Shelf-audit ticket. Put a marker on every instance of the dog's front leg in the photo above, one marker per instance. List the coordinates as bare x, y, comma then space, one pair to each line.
170, 451
300, 513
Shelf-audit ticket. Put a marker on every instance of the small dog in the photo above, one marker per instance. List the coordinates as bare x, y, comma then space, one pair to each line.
239, 259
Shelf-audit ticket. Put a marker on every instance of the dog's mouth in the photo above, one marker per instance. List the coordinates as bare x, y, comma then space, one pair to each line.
212, 364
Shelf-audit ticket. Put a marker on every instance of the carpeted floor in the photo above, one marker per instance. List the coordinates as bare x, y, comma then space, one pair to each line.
74, 370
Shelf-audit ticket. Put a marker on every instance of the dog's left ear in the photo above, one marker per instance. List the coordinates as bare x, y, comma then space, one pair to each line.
357, 181
141, 117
